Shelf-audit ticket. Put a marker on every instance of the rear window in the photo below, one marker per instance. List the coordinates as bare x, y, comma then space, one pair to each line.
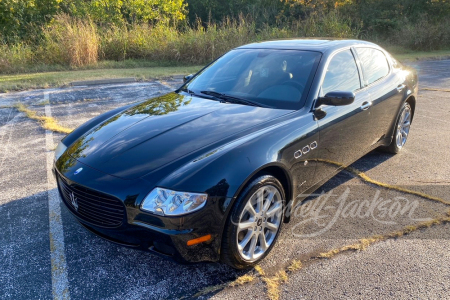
374, 63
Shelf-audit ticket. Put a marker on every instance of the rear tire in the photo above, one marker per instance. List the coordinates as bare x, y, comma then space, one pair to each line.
254, 223
401, 132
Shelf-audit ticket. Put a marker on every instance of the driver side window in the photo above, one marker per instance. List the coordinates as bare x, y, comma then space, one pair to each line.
342, 74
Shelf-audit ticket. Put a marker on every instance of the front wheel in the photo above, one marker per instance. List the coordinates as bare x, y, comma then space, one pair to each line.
254, 223
401, 130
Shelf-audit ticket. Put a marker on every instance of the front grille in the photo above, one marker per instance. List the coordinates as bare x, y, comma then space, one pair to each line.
92, 206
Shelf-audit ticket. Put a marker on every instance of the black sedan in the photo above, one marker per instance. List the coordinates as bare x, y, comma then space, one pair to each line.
209, 172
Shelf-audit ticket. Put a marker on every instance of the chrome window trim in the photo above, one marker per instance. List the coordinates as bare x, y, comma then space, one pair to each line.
332, 55
362, 67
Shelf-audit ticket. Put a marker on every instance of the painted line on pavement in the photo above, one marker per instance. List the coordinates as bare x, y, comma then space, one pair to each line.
60, 283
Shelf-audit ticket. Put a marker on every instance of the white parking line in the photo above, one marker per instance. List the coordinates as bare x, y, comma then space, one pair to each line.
10, 123
60, 283
165, 85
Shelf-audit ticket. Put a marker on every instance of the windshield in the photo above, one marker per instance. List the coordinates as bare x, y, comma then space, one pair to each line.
266, 77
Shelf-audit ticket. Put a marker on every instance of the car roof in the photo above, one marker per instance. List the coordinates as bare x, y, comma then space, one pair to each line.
313, 44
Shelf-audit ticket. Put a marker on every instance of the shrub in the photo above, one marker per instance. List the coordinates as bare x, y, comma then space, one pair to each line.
16, 58
422, 34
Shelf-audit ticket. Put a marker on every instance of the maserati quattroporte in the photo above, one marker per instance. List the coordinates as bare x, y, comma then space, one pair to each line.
208, 172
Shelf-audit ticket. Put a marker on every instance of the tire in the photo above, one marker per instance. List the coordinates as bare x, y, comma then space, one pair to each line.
266, 217
401, 132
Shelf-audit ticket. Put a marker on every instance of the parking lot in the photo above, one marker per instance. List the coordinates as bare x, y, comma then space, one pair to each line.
45, 253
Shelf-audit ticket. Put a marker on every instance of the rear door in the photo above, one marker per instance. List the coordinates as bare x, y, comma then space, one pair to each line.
344, 129
386, 89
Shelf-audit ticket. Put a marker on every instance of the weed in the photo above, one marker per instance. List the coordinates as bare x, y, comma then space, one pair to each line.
48, 123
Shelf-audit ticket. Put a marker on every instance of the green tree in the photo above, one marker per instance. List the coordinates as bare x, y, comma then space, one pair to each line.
136, 11
217, 10
127, 11
23, 19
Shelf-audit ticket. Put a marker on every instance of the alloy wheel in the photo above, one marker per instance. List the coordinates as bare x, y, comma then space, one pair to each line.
259, 223
403, 127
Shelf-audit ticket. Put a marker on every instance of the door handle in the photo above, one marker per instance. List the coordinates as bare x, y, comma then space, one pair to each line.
366, 105
400, 87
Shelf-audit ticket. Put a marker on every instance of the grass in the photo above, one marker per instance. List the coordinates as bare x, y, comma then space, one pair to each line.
19, 82
361, 175
362, 244
408, 55
48, 123
436, 90
295, 266
142, 70
243, 280
273, 283
404, 54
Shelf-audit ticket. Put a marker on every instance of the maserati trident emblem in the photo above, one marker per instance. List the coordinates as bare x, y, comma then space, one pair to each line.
74, 201
78, 171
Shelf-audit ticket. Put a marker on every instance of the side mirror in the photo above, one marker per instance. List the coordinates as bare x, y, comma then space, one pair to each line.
187, 78
337, 98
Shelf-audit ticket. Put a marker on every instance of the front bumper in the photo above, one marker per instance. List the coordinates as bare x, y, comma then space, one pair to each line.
166, 236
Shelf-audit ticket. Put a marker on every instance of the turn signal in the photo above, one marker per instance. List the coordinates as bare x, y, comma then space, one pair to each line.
199, 240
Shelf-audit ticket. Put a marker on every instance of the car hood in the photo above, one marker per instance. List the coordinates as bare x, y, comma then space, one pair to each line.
160, 130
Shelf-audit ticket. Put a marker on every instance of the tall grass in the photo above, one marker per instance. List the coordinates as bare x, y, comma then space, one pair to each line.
72, 43
198, 44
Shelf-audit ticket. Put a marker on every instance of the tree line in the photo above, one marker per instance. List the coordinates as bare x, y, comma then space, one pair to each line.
24, 20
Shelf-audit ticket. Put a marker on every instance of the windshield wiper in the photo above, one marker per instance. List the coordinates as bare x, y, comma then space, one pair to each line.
192, 93
228, 98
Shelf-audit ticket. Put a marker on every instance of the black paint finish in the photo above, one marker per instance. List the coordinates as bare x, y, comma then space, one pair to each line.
188, 143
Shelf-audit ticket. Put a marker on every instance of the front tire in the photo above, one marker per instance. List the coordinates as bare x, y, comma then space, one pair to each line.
254, 223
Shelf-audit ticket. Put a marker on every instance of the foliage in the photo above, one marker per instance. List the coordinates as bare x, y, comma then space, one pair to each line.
77, 43
70, 41
79, 33
23, 20
373, 17
126, 11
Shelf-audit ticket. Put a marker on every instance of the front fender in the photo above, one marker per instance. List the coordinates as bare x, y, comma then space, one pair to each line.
222, 174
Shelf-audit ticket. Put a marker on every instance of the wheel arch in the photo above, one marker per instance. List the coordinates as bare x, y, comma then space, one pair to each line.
411, 100
277, 170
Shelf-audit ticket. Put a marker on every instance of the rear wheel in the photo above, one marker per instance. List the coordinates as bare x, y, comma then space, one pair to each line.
254, 223
401, 130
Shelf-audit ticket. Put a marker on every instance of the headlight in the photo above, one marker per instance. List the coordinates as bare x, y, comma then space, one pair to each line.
171, 203
60, 149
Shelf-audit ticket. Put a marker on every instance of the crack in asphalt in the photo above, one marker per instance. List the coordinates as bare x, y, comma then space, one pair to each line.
273, 283
48, 123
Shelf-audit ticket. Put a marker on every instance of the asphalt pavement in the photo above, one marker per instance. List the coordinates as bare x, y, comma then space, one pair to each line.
45, 253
